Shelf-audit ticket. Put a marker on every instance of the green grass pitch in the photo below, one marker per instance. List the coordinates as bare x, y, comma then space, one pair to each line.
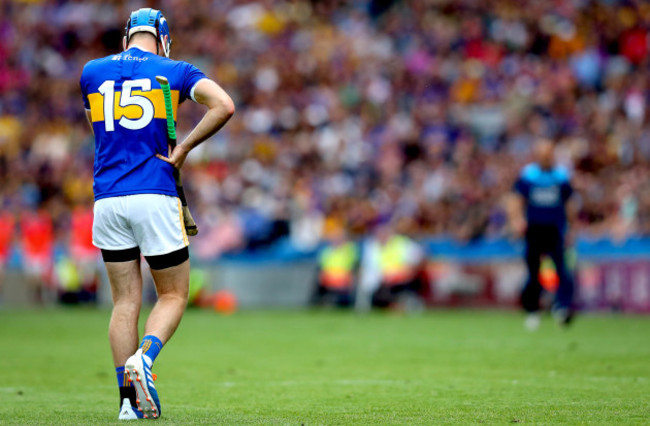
312, 368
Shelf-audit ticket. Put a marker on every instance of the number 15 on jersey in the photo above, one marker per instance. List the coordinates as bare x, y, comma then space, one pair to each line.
134, 107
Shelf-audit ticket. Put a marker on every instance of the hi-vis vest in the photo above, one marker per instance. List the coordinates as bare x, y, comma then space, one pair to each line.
337, 266
394, 262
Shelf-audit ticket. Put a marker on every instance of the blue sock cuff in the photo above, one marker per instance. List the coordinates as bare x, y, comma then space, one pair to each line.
151, 346
121, 377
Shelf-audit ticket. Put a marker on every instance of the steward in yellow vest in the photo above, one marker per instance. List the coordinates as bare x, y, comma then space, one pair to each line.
395, 262
337, 266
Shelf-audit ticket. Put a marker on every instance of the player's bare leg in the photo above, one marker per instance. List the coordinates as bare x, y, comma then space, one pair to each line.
126, 288
172, 285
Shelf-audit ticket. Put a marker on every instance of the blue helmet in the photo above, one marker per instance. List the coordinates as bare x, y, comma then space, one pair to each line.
151, 21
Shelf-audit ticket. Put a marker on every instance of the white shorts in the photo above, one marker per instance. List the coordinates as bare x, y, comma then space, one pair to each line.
152, 222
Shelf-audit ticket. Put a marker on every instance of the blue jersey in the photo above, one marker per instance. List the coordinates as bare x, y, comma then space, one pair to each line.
545, 193
128, 117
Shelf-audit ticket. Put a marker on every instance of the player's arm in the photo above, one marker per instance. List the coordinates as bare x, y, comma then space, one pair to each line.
90, 121
515, 211
515, 204
84, 97
572, 208
220, 109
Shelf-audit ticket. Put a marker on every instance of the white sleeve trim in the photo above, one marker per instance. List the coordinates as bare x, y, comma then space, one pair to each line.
194, 87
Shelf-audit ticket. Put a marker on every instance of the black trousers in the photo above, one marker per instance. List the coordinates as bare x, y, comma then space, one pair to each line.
548, 240
387, 294
325, 296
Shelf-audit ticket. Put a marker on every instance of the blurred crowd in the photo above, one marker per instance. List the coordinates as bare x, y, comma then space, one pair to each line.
349, 112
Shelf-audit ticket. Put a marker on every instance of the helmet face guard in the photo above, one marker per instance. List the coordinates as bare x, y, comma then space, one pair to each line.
151, 21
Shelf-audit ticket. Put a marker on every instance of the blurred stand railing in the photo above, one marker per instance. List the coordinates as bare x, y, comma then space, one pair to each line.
610, 275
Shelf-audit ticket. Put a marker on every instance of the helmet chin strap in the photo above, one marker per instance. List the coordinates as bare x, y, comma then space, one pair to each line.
165, 46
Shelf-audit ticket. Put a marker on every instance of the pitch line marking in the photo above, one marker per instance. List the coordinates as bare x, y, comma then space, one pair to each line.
343, 382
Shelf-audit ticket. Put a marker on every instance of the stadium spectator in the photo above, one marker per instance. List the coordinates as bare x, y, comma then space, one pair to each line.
418, 108
390, 270
84, 255
7, 226
337, 267
37, 238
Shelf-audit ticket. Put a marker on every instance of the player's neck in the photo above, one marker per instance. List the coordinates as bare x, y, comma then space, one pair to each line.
143, 45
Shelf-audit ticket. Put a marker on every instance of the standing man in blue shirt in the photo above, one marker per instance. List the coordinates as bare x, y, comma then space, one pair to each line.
539, 210
137, 209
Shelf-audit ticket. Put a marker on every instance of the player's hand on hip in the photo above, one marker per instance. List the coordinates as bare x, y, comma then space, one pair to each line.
176, 157
519, 227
